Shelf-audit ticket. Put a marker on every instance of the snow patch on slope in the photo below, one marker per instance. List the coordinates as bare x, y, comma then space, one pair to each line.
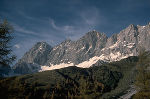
115, 56
88, 49
114, 45
81, 49
86, 64
40, 48
90, 62
130, 45
57, 66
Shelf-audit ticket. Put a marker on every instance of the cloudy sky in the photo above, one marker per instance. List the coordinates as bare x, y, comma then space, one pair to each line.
56, 20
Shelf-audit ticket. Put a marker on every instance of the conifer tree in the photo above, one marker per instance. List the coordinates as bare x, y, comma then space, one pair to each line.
5, 49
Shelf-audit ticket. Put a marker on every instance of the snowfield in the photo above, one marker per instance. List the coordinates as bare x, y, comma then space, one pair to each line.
86, 64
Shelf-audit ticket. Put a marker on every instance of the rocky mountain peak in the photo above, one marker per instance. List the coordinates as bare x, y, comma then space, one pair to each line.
32, 59
94, 33
148, 25
37, 53
67, 41
129, 34
131, 26
93, 37
41, 45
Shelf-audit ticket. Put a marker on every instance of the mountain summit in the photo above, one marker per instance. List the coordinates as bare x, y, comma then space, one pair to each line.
32, 59
91, 48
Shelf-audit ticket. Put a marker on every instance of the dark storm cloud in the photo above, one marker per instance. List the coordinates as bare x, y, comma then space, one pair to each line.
56, 20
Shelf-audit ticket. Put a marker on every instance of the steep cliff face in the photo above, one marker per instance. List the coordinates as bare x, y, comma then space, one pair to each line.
88, 50
37, 54
144, 36
77, 51
32, 59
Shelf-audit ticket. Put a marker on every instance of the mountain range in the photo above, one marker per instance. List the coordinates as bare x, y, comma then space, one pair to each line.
93, 48
94, 66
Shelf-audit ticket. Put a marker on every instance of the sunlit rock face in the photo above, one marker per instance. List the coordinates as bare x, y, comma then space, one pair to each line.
32, 59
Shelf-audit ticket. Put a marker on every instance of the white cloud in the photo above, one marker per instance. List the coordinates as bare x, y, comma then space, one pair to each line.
68, 28
54, 25
31, 18
87, 21
25, 15
17, 46
23, 30
90, 16
64, 29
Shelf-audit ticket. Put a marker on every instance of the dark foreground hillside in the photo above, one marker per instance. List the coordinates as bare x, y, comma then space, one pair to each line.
106, 81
